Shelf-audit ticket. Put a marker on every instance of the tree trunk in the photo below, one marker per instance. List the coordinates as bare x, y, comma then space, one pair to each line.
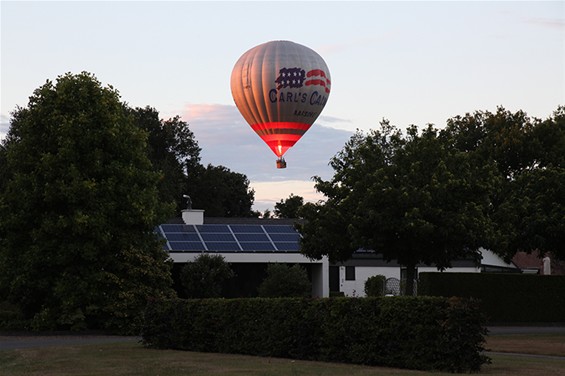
410, 276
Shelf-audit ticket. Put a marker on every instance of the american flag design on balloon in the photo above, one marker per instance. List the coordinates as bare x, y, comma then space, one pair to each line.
296, 77
280, 88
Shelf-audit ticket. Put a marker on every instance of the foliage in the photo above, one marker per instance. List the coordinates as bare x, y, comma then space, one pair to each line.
412, 198
290, 207
375, 285
220, 191
523, 294
529, 155
172, 149
77, 210
205, 276
285, 281
408, 332
175, 154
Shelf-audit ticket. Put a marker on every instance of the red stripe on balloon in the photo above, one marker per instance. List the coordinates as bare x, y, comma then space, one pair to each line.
280, 136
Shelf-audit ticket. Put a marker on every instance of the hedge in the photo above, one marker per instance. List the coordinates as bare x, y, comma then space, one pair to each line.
403, 332
505, 298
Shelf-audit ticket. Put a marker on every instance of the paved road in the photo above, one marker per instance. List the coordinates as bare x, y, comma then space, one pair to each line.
526, 330
12, 342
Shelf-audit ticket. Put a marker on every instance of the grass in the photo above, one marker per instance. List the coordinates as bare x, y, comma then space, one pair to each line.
127, 358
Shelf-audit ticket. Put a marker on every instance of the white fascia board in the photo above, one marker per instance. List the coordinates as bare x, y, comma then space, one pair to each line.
260, 258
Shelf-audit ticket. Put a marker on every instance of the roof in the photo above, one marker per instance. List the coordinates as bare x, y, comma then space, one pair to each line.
231, 235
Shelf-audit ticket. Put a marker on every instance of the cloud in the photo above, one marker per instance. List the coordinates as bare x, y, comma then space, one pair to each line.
551, 23
226, 139
4, 126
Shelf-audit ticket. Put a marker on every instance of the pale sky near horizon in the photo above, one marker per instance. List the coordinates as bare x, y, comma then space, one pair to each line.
409, 62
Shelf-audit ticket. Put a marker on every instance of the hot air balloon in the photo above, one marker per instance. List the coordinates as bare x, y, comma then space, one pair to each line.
280, 88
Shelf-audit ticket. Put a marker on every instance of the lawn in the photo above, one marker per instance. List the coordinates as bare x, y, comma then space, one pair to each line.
127, 358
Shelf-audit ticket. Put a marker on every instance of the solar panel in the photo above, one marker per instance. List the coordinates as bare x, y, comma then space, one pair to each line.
187, 246
257, 246
247, 229
288, 246
285, 237
213, 228
177, 228
223, 246
252, 237
214, 237
280, 229
183, 237
225, 238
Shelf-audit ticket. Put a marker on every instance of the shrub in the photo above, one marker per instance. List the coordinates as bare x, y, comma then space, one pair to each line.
205, 277
285, 281
505, 298
375, 285
406, 332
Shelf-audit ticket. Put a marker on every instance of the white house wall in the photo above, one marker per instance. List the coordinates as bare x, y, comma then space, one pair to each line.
362, 273
320, 268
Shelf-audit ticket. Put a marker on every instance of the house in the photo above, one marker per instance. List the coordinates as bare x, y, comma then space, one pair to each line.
534, 263
350, 277
249, 244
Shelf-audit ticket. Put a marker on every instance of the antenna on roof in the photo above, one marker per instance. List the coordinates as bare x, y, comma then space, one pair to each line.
188, 201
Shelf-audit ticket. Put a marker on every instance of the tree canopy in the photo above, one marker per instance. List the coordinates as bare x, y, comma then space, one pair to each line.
172, 149
529, 154
290, 207
411, 198
78, 206
175, 154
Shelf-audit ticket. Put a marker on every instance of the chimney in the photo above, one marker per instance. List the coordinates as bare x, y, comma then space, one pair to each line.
193, 216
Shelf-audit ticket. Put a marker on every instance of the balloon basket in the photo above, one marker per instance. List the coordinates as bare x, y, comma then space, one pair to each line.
281, 163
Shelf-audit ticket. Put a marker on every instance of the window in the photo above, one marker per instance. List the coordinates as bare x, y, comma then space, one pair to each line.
350, 273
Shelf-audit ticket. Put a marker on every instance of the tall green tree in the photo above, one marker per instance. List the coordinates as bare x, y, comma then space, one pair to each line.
290, 207
173, 150
411, 198
77, 210
175, 154
529, 155
220, 192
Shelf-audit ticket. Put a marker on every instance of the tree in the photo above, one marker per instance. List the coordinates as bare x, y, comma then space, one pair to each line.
173, 150
77, 210
221, 192
411, 198
529, 156
205, 276
290, 207
175, 154
284, 281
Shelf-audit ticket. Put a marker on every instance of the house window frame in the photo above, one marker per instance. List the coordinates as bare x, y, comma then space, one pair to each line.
350, 273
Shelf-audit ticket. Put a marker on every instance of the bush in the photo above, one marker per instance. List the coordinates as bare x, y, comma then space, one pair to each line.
505, 298
204, 278
284, 281
375, 285
406, 332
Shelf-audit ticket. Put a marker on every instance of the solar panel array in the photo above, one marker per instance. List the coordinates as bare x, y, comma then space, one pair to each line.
230, 238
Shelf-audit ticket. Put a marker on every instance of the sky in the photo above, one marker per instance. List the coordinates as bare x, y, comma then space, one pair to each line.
410, 62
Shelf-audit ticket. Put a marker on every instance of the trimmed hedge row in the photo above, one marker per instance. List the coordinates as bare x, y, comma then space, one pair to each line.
505, 298
405, 332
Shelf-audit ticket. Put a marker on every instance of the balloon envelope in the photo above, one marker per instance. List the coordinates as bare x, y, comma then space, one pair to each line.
280, 88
